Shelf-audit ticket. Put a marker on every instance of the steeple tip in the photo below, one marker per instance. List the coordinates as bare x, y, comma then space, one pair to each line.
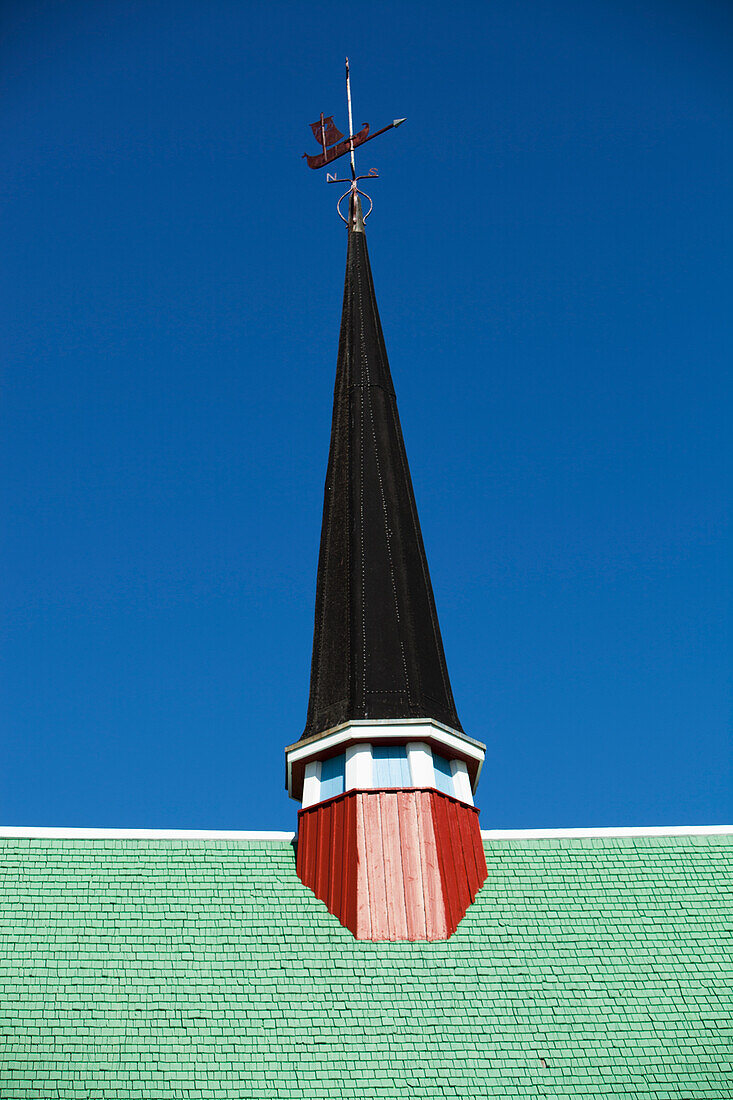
356, 217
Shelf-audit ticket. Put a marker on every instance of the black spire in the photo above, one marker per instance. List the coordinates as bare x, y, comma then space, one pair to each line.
377, 650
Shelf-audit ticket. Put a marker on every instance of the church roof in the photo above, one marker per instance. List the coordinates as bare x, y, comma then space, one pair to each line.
587, 966
377, 648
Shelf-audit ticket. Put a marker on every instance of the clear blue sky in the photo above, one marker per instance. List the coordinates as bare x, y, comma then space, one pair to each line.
551, 246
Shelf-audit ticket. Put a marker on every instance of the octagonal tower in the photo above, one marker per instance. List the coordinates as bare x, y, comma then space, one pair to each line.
388, 833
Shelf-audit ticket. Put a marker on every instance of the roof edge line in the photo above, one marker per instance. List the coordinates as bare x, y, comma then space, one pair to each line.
53, 833
608, 831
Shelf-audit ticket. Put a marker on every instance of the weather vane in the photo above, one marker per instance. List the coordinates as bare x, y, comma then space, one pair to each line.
334, 145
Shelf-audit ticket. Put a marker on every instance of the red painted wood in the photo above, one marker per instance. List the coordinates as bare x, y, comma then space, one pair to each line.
469, 855
412, 876
436, 926
323, 827
473, 851
445, 861
455, 869
377, 880
362, 928
301, 845
392, 847
313, 848
479, 855
350, 871
393, 864
337, 856
306, 847
459, 859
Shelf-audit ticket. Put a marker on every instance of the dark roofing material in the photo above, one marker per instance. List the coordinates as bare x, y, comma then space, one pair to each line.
377, 650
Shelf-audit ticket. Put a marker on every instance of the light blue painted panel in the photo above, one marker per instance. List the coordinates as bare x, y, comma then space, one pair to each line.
390, 767
332, 776
443, 776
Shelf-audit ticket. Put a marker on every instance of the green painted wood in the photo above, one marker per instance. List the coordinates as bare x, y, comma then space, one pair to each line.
205, 969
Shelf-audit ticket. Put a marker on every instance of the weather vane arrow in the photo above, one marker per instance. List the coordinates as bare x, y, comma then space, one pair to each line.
334, 145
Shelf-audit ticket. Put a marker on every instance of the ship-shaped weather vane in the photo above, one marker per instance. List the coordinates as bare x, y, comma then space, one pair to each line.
334, 145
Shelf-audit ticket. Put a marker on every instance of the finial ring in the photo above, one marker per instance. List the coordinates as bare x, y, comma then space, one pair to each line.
354, 190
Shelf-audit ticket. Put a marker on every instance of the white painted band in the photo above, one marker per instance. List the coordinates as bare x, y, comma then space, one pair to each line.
420, 762
461, 782
51, 833
359, 766
312, 783
398, 729
609, 831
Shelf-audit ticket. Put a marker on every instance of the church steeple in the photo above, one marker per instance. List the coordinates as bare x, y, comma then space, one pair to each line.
388, 835
377, 649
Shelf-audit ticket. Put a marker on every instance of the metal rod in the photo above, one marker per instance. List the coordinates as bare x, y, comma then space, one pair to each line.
323, 134
392, 126
351, 123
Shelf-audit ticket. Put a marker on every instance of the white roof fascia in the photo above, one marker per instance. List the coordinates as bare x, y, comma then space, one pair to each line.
608, 831
385, 729
52, 833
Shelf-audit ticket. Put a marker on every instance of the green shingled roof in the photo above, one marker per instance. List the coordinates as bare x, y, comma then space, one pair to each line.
587, 967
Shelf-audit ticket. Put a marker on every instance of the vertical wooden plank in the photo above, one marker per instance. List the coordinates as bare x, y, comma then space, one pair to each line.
375, 866
436, 923
336, 855
308, 828
322, 851
302, 840
463, 893
479, 851
312, 848
441, 824
363, 897
349, 866
411, 865
391, 845
469, 857
339, 855
475, 857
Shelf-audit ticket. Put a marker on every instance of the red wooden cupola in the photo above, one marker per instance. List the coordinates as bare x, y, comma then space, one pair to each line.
388, 835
